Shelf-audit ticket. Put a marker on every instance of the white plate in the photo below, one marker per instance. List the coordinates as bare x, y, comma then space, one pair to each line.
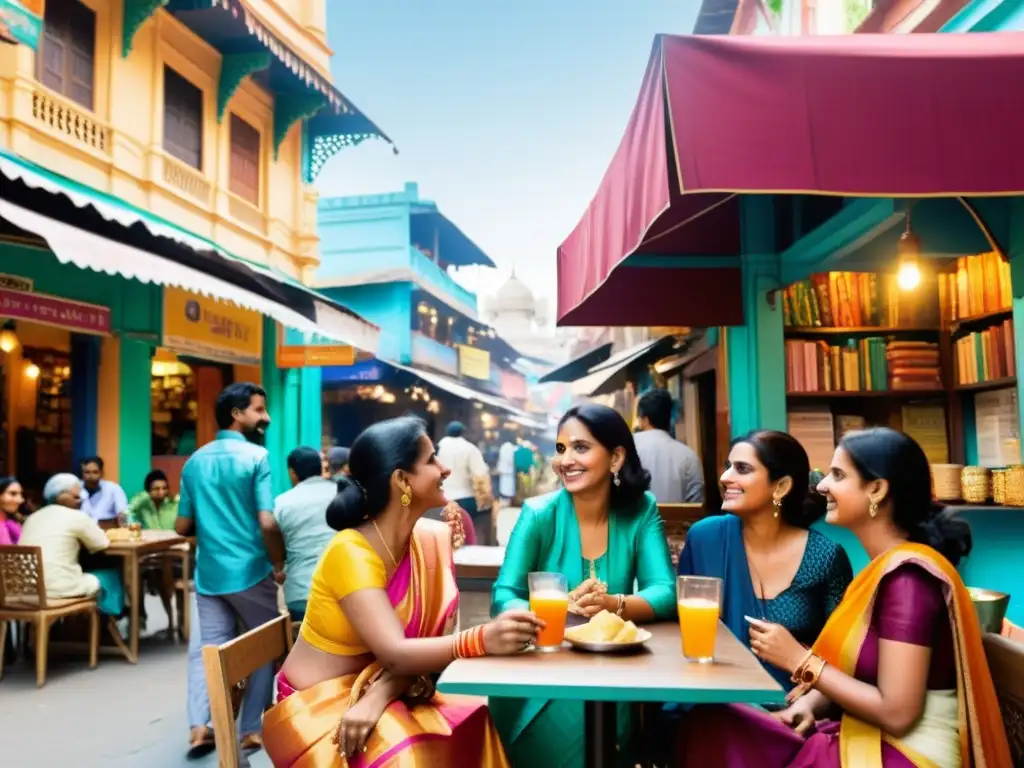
642, 636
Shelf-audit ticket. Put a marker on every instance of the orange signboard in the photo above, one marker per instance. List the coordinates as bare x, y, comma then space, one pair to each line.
317, 356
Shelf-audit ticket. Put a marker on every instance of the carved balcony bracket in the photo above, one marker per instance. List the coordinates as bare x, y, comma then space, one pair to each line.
235, 67
326, 134
292, 106
136, 13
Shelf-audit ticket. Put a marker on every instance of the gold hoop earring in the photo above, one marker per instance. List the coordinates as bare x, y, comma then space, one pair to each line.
873, 508
406, 499
777, 503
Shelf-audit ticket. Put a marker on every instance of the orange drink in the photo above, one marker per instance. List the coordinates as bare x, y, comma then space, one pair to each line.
549, 602
698, 600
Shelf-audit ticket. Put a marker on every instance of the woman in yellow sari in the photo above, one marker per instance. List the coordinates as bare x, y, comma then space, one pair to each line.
357, 688
899, 665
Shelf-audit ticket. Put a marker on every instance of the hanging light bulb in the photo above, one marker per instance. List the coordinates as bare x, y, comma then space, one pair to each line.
32, 371
908, 273
8, 340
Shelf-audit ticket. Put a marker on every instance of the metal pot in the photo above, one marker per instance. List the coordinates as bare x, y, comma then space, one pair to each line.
991, 607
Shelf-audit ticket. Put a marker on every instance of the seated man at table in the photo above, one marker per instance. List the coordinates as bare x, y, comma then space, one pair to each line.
104, 501
155, 509
61, 530
301, 515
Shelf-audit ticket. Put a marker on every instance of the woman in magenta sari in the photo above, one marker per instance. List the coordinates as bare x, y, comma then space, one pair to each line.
12, 503
899, 666
357, 688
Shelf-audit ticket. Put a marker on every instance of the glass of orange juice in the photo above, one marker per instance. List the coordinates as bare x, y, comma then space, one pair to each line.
699, 599
549, 601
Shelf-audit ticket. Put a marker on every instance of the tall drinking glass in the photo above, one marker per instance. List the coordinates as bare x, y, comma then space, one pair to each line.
549, 601
699, 600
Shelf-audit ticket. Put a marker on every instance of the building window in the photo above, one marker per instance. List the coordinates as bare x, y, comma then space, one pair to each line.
183, 119
245, 160
67, 60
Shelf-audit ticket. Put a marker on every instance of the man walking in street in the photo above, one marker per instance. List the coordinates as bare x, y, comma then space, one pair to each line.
228, 500
469, 472
676, 475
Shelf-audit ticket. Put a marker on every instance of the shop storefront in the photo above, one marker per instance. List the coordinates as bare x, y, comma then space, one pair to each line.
734, 201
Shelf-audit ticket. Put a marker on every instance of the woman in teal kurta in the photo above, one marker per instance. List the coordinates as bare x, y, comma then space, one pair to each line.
603, 531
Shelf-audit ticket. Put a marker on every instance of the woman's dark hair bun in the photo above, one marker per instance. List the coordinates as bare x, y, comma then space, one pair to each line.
944, 532
348, 508
380, 450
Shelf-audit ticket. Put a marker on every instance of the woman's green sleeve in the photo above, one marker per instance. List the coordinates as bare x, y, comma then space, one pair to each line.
512, 590
655, 577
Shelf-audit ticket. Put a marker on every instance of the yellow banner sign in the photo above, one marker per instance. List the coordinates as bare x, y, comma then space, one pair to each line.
474, 363
203, 327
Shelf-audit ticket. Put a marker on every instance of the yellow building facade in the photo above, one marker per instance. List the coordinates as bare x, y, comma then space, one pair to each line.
118, 145
186, 135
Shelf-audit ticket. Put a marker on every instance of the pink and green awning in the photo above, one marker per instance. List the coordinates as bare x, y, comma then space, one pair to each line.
717, 117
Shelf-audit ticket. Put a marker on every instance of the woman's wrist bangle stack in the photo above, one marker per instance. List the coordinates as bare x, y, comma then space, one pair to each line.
469, 643
810, 669
620, 605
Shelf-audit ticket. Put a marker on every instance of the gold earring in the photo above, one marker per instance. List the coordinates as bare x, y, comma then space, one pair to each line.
872, 507
406, 499
777, 503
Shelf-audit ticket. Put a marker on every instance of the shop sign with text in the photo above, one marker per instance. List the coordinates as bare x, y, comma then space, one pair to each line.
474, 363
49, 310
203, 327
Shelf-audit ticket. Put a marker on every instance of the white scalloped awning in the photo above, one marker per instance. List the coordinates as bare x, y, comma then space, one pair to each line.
84, 249
331, 321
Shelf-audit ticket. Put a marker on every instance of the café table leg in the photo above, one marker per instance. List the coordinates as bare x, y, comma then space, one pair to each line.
600, 732
132, 562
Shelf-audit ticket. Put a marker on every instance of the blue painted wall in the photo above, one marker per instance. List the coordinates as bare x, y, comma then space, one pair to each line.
367, 234
387, 305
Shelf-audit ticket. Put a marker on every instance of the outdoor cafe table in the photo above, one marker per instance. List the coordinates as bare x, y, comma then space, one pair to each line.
658, 673
133, 551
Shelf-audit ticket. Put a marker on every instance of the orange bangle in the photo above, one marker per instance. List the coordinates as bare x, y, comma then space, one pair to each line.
469, 643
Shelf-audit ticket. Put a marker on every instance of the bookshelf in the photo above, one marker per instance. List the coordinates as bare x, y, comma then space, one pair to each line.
861, 352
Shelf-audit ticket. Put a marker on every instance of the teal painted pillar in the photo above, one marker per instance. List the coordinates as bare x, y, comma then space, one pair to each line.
273, 384
755, 351
136, 446
290, 426
310, 411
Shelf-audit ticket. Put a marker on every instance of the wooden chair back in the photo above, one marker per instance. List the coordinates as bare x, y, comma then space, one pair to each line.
677, 519
228, 666
1006, 664
21, 578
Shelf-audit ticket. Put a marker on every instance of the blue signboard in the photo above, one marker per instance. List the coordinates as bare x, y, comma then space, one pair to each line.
366, 370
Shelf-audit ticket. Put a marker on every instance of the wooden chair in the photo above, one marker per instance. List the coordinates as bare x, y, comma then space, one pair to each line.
23, 598
228, 666
1006, 664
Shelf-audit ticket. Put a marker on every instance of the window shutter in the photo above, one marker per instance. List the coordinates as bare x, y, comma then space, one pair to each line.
183, 119
81, 62
245, 160
67, 60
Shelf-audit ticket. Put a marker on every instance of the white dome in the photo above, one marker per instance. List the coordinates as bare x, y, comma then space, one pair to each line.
513, 296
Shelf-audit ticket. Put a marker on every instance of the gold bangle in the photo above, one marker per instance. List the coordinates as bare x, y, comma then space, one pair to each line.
795, 677
621, 605
808, 675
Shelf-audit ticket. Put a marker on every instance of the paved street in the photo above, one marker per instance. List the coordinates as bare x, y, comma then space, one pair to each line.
118, 715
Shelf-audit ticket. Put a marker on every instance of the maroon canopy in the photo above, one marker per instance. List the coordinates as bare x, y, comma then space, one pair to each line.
858, 115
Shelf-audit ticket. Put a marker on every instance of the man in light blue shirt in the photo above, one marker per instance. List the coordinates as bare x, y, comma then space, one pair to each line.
227, 499
103, 500
301, 515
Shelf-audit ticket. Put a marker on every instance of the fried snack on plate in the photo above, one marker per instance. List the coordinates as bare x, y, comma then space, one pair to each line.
627, 634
